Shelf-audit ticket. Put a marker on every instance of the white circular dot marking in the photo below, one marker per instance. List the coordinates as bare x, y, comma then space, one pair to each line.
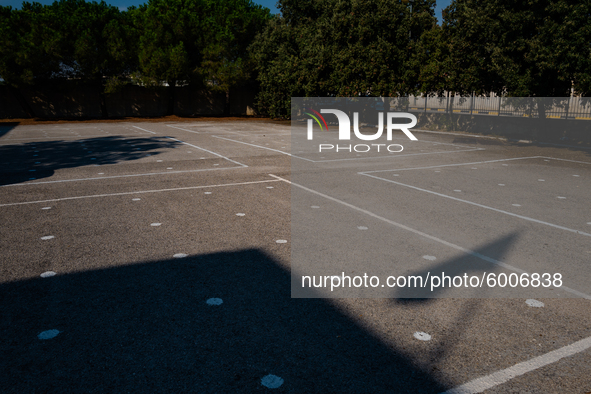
179, 255
422, 336
49, 334
272, 381
47, 237
47, 274
214, 301
534, 303
281, 241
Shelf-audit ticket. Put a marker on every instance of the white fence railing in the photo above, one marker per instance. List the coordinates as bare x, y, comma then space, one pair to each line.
534, 107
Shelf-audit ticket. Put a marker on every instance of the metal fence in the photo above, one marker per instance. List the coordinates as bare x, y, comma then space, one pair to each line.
535, 107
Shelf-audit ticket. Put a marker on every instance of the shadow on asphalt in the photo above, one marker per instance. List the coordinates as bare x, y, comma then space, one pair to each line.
18, 163
464, 264
146, 328
6, 127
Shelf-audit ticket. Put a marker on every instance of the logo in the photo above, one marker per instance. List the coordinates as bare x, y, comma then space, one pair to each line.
345, 129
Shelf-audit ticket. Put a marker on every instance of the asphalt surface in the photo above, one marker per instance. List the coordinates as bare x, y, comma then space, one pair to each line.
172, 247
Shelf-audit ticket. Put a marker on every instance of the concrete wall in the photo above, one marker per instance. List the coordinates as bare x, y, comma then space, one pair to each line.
73, 99
509, 127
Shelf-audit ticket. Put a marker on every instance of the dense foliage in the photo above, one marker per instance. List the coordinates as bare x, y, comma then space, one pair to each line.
314, 48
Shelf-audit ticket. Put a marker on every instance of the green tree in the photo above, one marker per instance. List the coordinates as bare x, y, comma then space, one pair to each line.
29, 49
202, 42
528, 48
87, 41
340, 48
231, 26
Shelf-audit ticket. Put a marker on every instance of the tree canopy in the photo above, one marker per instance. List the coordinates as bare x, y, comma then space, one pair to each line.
539, 48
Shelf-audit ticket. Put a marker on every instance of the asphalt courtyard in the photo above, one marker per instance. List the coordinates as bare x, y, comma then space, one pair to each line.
143, 257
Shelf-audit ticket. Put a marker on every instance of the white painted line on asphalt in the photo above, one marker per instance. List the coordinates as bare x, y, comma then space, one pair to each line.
425, 235
570, 161
240, 214
156, 224
208, 151
399, 155
281, 241
561, 198
135, 199
179, 255
482, 206
122, 176
348, 159
147, 131
46, 208
214, 301
314, 207
47, 237
430, 258
262, 147
138, 192
486, 382
362, 228
422, 336
180, 128
449, 165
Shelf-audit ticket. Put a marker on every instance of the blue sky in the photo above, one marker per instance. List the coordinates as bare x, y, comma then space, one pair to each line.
123, 4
